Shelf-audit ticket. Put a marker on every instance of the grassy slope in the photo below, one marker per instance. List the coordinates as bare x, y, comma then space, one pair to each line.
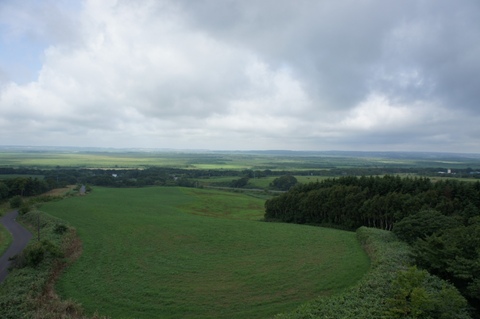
145, 256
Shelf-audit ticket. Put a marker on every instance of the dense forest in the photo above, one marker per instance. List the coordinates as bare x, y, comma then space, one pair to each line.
441, 220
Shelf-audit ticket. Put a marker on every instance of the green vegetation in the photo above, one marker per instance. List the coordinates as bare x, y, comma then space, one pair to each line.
165, 245
379, 202
192, 253
215, 160
16, 201
284, 183
391, 289
27, 291
5, 239
440, 220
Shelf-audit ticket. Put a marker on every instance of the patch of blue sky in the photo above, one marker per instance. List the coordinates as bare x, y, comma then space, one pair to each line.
21, 57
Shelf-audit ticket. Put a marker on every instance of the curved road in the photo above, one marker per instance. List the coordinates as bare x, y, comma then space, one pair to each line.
20, 235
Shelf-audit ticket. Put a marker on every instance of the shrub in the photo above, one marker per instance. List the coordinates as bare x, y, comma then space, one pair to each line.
417, 294
35, 253
60, 229
24, 208
16, 201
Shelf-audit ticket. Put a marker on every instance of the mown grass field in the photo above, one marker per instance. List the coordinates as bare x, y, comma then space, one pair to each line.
194, 253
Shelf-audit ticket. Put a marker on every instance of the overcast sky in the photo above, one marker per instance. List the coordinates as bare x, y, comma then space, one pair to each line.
241, 75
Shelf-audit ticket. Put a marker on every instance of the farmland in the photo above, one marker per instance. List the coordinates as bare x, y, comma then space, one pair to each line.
179, 234
191, 253
227, 160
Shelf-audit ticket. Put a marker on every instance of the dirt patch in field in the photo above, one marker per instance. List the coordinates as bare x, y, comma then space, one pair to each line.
60, 191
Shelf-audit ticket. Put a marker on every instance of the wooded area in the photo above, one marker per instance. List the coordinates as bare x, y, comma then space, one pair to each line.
440, 220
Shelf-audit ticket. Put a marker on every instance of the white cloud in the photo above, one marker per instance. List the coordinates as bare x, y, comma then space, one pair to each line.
137, 70
252, 75
378, 113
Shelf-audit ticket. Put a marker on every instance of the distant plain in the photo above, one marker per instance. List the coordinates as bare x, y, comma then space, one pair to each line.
228, 160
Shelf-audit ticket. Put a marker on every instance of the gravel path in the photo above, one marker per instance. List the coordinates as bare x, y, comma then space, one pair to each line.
20, 235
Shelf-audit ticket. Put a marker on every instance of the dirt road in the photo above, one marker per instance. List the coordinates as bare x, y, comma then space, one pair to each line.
20, 235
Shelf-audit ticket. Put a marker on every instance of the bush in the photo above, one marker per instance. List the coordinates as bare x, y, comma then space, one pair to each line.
16, 201
35, 253
60, 229
24, 208
417, 294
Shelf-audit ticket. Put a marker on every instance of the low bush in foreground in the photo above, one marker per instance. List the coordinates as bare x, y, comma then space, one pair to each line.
392, 289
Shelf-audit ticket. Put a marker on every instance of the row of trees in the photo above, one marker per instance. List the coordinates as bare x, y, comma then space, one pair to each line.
440, 220
379, 202
22, 186
59, 177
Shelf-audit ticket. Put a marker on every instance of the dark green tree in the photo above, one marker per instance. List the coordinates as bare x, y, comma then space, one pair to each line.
284, 183
239, 183
422, 224
454, 254
417, 294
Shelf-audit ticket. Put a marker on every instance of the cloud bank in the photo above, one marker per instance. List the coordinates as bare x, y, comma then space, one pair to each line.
309, 75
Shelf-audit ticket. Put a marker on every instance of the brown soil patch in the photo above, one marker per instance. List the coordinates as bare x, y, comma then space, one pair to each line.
60, 191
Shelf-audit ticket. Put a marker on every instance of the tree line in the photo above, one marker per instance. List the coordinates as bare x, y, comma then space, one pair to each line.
440, 220
22, 186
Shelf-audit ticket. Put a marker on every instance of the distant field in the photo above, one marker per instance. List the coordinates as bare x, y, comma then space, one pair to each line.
135, 160
435, 179
266, 160
193, 253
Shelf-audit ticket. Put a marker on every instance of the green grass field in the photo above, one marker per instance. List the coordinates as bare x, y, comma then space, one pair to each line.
193, 253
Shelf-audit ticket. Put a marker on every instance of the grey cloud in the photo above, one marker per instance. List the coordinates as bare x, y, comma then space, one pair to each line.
440, 43
343, 50
331, 45
257, 74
